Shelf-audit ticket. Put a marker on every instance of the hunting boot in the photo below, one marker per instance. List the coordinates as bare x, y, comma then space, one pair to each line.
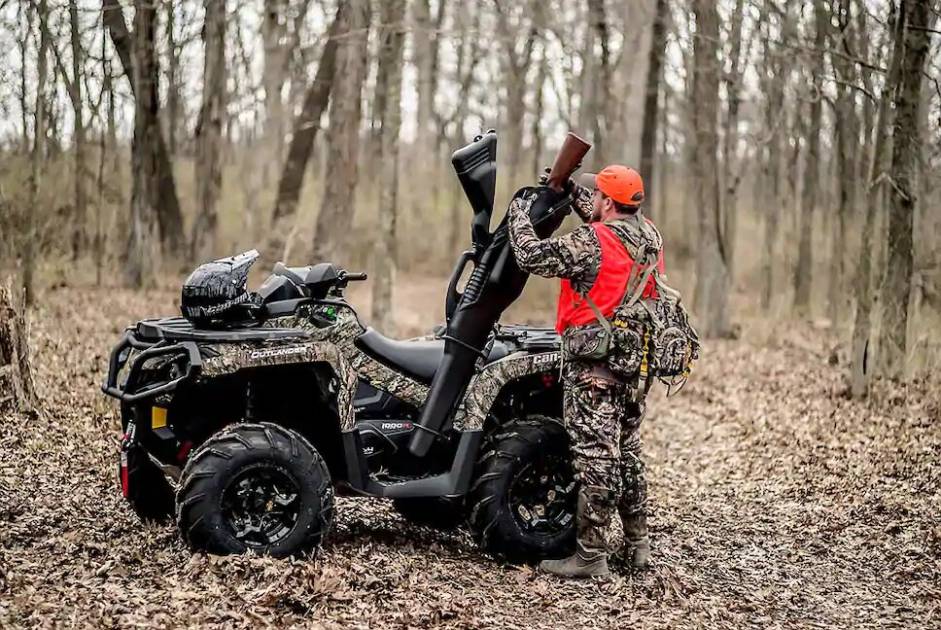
581, 564
590, 559
636, 551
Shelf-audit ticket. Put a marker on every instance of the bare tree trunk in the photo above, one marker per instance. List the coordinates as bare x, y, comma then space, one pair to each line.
17, 391
169, 217
732, 167
897, 281
145, 186
25, 13
712, 279
662, 196
535, 127
391, 45
204, 240
773, 79
39, 140
602, 89
515, 66
306, 126
173, 78
468, 55
103, 151
803, 273
339, 199
847, 142
75, 90
860, 360
273, 32
427, 38
648, 138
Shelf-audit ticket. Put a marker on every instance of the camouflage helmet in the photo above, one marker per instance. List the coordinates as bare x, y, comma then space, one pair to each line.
216, 288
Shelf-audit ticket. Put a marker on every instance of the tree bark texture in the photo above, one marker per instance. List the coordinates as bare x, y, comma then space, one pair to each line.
601, 85
391, 45
712, 278
174, 101
903, 195
169, 217
17, 391
36, 159
203, 242
803, 270
648, 137
273, 34
25, 14
860, 360
339, 200
145, 173
79, 151
732, 171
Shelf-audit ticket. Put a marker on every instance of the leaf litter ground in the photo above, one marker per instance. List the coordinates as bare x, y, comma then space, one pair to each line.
775, 501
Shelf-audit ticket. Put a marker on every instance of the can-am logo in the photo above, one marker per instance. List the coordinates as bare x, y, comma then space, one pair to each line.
277, 352
549, 357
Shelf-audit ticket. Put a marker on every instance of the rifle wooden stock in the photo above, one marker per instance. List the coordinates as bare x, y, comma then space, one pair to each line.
566, 161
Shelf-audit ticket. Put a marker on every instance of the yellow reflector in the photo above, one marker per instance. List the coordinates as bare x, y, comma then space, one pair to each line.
158, 417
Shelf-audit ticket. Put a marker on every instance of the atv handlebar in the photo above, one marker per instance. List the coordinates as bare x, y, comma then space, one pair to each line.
349, 276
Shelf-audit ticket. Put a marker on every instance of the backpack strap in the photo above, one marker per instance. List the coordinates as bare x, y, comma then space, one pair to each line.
634, 288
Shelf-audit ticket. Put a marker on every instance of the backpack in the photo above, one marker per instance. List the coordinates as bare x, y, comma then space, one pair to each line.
647, 337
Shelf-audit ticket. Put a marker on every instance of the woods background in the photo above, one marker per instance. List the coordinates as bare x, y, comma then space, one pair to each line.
791, 149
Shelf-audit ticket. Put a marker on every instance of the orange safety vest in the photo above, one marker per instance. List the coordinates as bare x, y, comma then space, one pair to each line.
608, 290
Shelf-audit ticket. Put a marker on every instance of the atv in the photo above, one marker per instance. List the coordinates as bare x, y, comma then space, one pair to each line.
244, 418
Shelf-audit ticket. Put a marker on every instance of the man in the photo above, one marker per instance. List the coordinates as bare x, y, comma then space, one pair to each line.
602, 409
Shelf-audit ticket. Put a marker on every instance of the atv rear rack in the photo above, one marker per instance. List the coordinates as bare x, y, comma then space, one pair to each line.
174, 337
119, 356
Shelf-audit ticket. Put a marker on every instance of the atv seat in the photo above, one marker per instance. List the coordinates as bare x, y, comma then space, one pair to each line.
418, 359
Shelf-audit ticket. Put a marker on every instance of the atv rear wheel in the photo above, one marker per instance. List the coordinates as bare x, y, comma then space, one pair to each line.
256, 487
524, 493
444, 513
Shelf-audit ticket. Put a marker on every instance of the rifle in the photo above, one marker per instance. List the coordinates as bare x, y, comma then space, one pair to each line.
567, 160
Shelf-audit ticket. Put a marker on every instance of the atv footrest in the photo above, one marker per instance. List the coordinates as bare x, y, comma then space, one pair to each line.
453, 482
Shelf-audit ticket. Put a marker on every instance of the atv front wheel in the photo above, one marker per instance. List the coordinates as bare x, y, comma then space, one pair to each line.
256, 487
444, 513
524, 493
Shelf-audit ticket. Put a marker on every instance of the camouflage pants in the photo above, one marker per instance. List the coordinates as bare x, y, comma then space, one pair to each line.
603, 424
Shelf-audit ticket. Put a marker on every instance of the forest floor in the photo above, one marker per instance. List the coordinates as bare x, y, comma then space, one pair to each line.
775, 500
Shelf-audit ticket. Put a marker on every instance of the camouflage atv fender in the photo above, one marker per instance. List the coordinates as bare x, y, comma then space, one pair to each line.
485, 387
234, 357
331, 345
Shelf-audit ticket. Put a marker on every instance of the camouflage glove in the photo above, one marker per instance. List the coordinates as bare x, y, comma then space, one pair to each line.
570, 185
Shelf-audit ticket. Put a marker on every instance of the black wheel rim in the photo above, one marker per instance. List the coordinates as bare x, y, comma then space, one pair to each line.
261, 505
542, 497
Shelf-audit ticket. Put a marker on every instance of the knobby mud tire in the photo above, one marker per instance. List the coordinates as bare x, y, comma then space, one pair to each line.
443, 513
504, 455
217, 463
